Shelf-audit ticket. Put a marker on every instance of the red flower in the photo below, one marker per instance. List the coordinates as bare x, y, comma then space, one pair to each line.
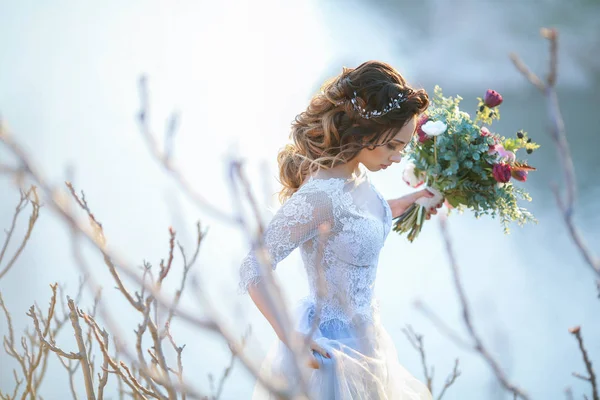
485, 132
519, 174
501, 172
420, 122
492, 98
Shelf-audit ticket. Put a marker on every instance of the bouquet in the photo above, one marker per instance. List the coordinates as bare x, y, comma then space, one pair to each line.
463, 162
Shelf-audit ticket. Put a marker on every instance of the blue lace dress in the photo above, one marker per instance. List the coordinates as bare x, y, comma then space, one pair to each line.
364, 362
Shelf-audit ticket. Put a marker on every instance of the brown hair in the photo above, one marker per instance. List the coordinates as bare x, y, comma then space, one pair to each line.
332, 132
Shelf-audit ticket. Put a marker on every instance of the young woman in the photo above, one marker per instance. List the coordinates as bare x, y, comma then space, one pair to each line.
362, 119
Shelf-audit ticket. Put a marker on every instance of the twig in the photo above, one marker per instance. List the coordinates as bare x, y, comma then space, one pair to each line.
451, 379
466, 314
186, 268
558, 134
178, 350
591, 378
164, 270
103, 379
35, 212
443, 327
99, 238
9, 343
56, 201
165, 161
271, 291
416, 340
85, 362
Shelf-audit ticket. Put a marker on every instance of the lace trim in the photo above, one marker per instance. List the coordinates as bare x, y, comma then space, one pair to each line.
336, 318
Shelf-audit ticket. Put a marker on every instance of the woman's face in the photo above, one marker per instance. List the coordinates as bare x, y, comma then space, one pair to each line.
382, 157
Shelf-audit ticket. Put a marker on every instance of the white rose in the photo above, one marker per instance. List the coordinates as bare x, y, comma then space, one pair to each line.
410, 177
432, 128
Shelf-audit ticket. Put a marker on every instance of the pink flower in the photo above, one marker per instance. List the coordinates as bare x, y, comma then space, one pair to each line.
501, 172
485, 132
495, 149
507, 156
519, 175
503, 154
492, 98
420, 122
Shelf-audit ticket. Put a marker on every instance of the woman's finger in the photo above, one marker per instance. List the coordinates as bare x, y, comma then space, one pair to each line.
320, 350
313, 363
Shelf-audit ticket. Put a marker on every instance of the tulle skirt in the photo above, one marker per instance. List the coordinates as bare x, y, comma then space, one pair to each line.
363, 364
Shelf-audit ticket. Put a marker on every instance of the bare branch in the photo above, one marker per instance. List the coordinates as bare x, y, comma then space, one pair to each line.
178, 350
164, 270
85, 363
35, 211
9, 343
591, 378
99, 231
466, 314
451, 379
443, 327
416, 340
103, 379
558, 134
165, 162
56, 201
531, 77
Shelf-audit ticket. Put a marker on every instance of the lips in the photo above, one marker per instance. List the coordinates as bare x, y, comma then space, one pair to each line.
384, 166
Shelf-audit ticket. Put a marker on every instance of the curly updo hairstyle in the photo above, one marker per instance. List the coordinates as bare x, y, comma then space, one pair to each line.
332, 132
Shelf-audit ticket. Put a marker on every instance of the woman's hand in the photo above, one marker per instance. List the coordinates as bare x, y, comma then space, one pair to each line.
401, 204
314, 347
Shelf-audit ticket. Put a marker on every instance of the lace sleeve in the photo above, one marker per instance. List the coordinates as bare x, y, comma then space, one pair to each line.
297, 221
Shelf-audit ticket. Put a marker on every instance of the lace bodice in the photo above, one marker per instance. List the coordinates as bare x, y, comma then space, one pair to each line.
359, 220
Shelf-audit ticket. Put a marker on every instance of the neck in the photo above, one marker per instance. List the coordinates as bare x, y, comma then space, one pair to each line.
347, 171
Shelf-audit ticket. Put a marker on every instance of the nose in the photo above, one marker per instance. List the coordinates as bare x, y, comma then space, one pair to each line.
396, 158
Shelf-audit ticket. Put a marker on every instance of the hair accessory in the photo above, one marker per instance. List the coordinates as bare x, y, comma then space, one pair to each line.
393, 104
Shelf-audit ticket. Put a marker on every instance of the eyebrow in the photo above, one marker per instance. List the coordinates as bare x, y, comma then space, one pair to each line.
398, 140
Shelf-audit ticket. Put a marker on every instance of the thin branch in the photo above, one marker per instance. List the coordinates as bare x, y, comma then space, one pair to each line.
9, 343
187, 265
466, 314
451, 379
164, 270
558, 134
178, 350
103, 379
56, 201
99, 233
35, 212
443, 327
416, 340
165, 161
60, 352
85, 362
100, 334
591, 378
270, 290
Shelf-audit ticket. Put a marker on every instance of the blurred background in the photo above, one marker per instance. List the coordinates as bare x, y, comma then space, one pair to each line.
237, 72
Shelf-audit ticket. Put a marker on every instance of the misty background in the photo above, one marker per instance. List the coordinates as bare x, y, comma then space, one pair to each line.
237, 72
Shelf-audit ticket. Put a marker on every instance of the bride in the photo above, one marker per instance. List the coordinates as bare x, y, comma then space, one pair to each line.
363, 118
